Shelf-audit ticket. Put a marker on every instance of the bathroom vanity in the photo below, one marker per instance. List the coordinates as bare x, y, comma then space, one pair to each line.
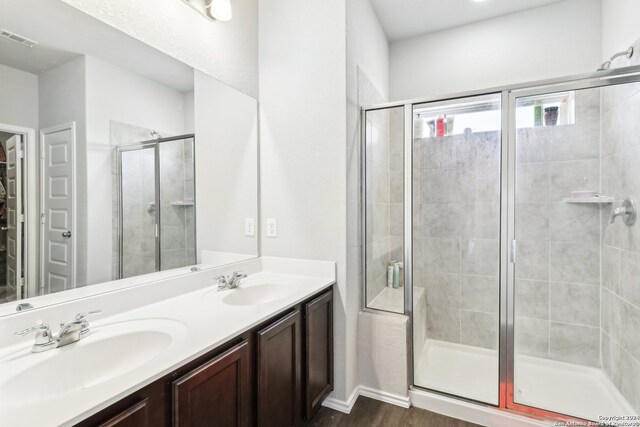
180, 351
276, 374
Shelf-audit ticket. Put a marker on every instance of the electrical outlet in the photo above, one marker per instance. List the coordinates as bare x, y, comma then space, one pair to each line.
249, 227
272, 227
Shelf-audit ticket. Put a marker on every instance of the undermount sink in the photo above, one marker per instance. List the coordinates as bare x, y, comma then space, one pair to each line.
109, 352
257, 294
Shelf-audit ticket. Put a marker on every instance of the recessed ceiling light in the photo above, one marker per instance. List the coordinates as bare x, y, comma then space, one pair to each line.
477, 1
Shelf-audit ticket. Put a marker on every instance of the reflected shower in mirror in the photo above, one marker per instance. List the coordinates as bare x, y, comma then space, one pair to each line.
103, 140
155, 210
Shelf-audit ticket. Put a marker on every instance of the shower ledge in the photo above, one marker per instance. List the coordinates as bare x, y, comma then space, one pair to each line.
596, 200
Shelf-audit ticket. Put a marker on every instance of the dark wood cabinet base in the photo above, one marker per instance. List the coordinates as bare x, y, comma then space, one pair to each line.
277, 374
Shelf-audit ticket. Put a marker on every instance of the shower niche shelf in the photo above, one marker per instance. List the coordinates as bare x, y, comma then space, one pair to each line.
593, 200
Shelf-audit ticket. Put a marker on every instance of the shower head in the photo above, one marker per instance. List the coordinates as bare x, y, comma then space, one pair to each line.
607, 65
154, 134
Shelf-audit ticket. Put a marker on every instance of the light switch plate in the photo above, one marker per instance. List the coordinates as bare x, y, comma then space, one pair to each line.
272, 227
249, 227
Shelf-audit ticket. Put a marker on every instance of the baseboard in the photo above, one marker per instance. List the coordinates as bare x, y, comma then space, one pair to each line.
383, 396
342, 405
454, 408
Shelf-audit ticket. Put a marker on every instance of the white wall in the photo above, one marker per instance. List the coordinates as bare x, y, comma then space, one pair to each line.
189, 112
620, 27
381, 339
556, 40
19, 98
367, 47
226, 124
303, 141
226, 50
113, 93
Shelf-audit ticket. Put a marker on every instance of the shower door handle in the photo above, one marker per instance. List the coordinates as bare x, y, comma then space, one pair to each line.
66, 234
512, 257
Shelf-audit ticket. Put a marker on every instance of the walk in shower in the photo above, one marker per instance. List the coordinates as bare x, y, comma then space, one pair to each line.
505, 213
156, 206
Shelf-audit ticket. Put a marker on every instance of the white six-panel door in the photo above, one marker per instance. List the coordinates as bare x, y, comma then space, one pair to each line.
58, 193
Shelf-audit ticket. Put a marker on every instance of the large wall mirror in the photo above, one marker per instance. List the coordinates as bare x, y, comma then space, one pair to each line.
116, 160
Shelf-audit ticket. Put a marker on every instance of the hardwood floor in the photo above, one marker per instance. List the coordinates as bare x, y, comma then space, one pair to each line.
371, 413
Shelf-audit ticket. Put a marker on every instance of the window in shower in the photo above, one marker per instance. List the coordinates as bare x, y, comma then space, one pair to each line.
576, 351
383, 206
156, 206
456, 246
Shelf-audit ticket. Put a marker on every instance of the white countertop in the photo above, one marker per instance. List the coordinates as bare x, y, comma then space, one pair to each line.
200, 319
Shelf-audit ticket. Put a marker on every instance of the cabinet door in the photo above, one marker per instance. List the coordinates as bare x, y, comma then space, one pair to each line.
318, 352
135, 416
279, 373
215, 394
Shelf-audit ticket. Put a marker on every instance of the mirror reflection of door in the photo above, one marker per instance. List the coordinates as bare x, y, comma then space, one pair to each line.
58, 232
11, 233
13, 212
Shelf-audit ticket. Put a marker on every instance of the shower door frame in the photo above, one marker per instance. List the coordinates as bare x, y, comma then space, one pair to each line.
155, 143
507, 271
506, 349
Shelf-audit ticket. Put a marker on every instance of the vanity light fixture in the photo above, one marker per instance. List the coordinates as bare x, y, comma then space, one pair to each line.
221, 10
213, 10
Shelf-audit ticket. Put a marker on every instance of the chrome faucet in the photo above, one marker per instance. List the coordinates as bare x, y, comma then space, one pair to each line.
68, 333
230, 282
627, 211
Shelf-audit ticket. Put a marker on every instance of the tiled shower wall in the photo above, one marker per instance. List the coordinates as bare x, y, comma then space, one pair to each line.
177, 220
558, 254
620, 286
384, 192
456, 199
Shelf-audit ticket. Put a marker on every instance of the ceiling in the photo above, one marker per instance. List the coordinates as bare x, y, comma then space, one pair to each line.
401, 19
64, 33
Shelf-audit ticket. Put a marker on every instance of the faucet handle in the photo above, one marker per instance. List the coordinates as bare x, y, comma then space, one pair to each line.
81, 316
221, 279
43, 335
37, 328
239, 274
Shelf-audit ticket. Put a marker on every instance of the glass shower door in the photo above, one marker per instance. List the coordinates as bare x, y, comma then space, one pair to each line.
575, 349
138, 211
456, 246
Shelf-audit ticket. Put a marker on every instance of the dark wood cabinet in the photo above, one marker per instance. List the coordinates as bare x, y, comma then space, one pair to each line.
134, 416
279, 373
319, 352
216, 394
